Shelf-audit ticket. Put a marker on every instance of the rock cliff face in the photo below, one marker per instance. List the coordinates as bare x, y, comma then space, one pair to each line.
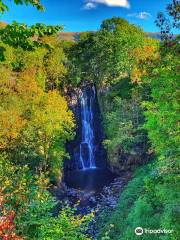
74, 99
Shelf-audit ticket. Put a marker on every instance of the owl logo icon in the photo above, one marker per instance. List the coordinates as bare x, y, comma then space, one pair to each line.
139, 231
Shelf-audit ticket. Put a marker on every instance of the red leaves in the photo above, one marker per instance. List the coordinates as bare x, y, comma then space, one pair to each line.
7, 225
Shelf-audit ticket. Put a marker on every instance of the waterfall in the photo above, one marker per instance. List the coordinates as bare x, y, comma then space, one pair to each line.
86, 148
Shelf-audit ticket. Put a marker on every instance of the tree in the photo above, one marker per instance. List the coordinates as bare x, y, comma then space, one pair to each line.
107, 55
35, 123
28, 38
7, 225
20, 35
55, 64
166, 24
162, 111
111, 25
109, 58
35, 3
26, 208
144, 57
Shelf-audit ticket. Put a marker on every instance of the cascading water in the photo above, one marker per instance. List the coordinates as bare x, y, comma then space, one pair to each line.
86, 149
87, 168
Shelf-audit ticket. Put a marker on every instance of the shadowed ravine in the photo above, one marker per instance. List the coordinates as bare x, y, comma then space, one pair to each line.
90, 171
87, 178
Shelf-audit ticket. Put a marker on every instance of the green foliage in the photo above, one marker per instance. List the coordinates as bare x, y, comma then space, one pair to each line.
162, 112
35, 122
66, 226
122, 122
137, 82
56, 70
119, 218
26, 194
28, 38
150, 200
91, 62
144, 203
35, 3
112, 25
111, 70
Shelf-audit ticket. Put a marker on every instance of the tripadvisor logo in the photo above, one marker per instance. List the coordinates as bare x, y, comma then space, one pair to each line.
139, 231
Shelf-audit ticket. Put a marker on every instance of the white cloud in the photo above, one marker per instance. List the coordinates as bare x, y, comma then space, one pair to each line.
140, 15
110, 3
89, 6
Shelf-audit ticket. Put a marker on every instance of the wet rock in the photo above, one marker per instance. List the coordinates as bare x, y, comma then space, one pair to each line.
97, 202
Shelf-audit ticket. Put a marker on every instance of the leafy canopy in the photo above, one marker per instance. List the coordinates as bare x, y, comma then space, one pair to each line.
35, 3
28, 38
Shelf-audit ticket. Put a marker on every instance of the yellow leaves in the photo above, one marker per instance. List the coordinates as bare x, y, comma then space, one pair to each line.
3, 24
53, 114
41, 150
144, 57
42, 182
55, 67
146, 53
137, 74
27, 86
34, 122
7, 182
50, 40
18, 94
7, 80
11, 124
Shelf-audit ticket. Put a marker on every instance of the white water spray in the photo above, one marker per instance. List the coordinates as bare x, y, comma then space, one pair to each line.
87, 156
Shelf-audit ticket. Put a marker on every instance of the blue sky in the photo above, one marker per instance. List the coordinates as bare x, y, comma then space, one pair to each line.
82, 15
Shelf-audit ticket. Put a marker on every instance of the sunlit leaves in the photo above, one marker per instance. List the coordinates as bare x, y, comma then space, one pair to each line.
162, 113
3, 7
28, 38
11, 124
52, 124
55, 67
106, 55
35, 3
35, 124
26, 207
144, 57
111, 25
7, 225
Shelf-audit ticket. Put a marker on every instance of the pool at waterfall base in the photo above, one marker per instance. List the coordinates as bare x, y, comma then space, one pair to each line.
93, 179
